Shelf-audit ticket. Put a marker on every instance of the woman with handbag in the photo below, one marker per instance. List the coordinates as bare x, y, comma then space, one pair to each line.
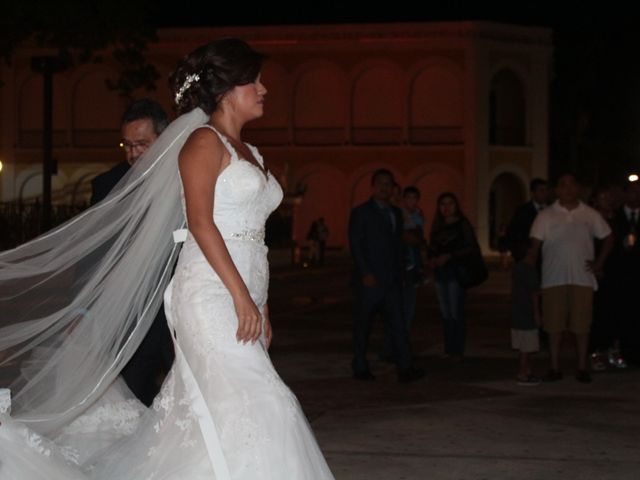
455, 256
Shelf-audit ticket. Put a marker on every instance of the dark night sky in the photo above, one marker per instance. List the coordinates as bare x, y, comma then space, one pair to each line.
573, 14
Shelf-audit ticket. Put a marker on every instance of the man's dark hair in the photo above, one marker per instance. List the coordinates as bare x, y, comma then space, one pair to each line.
147, 108
411, 191
537, 182
379, 173
567, 174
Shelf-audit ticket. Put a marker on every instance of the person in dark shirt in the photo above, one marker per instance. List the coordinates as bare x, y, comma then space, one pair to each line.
517, 240
517, 234
452, 242
142, 123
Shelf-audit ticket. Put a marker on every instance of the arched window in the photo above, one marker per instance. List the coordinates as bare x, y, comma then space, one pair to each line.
507, 110
96, 112
506, 194
378, 109
436, 107
320, 107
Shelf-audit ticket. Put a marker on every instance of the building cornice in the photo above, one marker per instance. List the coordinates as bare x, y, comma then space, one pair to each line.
289, 35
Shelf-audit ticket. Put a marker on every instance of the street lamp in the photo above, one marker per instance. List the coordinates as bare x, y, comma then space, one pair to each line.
633, 177
47, 66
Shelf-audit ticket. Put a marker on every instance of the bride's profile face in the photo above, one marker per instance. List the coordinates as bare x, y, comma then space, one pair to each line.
248, 100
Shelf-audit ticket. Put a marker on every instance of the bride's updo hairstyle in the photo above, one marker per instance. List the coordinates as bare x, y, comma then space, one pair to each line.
203, 76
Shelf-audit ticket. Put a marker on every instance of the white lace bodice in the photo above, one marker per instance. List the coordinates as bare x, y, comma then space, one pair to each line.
244, 196
243, 200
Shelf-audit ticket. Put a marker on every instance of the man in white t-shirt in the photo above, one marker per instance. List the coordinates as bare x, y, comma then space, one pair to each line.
566, 231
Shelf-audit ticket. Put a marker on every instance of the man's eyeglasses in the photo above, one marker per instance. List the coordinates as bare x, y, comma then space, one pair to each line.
125, 145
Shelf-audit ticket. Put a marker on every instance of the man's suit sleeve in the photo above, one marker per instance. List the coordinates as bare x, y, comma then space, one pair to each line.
96, 195
516, 228
357, 234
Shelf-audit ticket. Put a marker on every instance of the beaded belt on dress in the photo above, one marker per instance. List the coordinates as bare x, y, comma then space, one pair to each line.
180, 235
250, 235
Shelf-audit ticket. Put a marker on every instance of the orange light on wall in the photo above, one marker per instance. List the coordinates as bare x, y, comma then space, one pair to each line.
633, 177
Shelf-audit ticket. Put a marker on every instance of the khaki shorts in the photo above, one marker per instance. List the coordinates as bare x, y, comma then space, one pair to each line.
567, 307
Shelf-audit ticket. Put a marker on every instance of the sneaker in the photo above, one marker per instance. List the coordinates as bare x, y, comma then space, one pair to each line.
615, 359
386, 357
410, 374
528, 380
598, 363
553, 376
583, 376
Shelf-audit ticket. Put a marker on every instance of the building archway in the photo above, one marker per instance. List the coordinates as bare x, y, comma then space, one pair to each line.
325, 196
507, 192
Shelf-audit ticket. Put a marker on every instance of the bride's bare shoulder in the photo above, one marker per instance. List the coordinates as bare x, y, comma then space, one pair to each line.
202, 145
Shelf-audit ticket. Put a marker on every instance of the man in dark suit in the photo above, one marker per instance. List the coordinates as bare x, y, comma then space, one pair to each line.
517, 236
142, 123
375, 239
624, 275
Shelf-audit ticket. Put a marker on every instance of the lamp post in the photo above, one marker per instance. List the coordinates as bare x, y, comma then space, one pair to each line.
47, 66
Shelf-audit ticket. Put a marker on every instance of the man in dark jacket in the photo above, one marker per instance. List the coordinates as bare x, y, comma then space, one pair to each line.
142, 123
624, 275
517, 236
375, 239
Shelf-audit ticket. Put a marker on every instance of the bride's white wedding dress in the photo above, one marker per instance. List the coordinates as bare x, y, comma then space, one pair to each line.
223, 411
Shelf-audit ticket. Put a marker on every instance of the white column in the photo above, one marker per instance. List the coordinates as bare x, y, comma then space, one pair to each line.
477, 140
540, 80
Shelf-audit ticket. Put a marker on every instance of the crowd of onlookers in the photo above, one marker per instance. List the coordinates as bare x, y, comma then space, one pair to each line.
391, 257
575, 268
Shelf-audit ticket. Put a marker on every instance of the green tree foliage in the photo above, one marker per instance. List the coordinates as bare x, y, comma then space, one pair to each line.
80, 31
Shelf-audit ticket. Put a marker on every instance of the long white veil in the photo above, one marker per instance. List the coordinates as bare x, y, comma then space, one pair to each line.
77, 301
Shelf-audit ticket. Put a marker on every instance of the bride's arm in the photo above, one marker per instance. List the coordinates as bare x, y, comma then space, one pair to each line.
200, 162
268, 331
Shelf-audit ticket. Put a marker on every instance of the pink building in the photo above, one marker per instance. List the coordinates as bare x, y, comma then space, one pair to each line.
459, 106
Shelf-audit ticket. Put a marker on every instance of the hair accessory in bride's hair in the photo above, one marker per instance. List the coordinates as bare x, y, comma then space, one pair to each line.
187, 83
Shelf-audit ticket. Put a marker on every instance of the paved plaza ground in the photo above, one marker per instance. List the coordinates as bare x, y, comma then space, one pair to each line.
464, 421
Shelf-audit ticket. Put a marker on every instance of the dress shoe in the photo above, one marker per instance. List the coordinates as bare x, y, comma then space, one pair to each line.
583, 376
386, 358
553, 376
365, 375
410, 374
528, 380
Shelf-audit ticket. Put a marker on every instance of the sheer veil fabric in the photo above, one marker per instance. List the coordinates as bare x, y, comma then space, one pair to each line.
76, 302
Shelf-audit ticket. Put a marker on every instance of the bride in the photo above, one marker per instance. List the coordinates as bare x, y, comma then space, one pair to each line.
223, 411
